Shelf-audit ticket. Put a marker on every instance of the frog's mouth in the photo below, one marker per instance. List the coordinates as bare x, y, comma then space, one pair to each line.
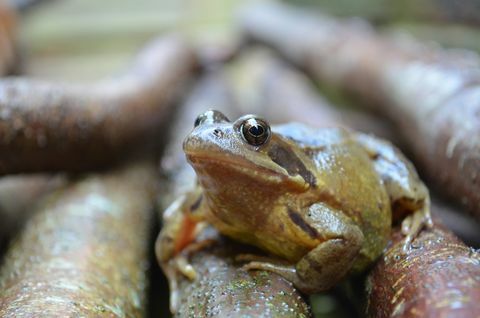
243, 165
273, 173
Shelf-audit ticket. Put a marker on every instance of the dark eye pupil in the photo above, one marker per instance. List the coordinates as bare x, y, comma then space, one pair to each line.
256, 130
198, 121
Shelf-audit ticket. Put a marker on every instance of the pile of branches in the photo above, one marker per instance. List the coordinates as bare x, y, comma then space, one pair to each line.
100, 161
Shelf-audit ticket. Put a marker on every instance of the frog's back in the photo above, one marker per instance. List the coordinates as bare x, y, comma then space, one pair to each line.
346, 180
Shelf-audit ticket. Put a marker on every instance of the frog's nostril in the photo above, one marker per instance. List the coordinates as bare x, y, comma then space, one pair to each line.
217, 132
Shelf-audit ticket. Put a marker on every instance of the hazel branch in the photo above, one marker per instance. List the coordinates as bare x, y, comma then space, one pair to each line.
50, 126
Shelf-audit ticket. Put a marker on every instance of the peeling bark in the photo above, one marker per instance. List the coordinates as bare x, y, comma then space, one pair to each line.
433, 95
50, 126
85, 251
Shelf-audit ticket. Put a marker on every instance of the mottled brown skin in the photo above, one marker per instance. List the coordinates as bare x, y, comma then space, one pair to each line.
317, 199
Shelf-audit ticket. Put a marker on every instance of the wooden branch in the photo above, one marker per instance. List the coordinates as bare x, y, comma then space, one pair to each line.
8, 29
84, 253
288, 95
49, 126
18, 197
431, 94
223, 288
439, 277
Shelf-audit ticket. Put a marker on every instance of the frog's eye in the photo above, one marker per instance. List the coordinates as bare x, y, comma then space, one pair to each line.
210, 116
255, 131
199, 120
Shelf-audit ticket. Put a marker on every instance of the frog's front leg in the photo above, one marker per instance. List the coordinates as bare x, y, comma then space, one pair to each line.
409, 197
182, 222
327, 263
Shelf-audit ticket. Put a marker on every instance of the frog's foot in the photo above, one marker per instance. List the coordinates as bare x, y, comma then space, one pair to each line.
180, 265
172, 278
245, 257
286, 271
181, 262
413, 224
276, 266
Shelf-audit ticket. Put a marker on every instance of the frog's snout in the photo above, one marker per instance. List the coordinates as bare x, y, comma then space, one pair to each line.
207, 139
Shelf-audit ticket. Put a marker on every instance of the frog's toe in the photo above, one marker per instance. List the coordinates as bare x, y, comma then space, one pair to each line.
406, 225
184, 267
172, 276
413, 225
287, 271
174, 301
246, 257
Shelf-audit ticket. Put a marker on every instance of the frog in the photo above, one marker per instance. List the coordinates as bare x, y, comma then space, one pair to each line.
319, 201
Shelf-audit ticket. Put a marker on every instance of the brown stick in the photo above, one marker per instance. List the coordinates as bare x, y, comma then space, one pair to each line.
8, 28
223, 288
439, 277
287, 95
48, 126
399, 285
431, 94
18, 197
84, 253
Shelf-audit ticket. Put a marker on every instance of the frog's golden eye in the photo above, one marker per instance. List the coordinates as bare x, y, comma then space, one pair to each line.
255, 131
210, 116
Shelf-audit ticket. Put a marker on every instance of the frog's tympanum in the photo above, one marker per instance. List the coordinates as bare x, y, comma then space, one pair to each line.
320, 201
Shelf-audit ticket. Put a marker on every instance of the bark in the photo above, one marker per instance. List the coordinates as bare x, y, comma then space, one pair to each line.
8, 28
18, 197
223, 288
431, 94
84, 253
288, 95
438, 277
49, 126
213, 55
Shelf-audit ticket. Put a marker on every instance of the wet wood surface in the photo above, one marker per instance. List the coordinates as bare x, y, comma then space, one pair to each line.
84, 252
47, 126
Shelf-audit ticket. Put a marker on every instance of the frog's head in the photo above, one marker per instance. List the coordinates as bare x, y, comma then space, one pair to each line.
246, 155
